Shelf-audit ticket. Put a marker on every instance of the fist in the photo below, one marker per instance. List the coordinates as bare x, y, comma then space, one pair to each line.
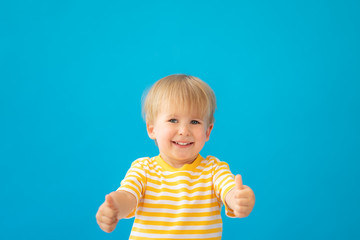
243, 197
106, 216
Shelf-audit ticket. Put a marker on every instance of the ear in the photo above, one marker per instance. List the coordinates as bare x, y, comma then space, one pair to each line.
150, 130
208, 131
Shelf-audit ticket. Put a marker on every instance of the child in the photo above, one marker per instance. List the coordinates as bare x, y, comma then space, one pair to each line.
177, 194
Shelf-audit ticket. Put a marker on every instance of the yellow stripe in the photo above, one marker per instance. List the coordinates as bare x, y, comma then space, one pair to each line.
181, 174
178, 215
200, 181
147, 238
224, 183
181, 190
133, 175
170, 198
136, 174
155, 231
182, 223
225, 178
176, 207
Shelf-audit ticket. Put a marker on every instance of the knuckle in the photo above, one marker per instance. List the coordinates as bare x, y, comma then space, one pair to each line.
110, 220
106, 220
107, 228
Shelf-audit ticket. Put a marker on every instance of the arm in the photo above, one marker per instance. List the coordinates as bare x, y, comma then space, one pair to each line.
117, 205
240, 199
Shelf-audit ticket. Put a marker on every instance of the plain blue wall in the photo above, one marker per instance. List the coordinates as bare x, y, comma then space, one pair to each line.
286, 75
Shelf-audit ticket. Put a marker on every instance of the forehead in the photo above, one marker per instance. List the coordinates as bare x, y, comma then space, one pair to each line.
176, 110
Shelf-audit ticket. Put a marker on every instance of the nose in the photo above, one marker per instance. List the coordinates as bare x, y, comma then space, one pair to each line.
183, 130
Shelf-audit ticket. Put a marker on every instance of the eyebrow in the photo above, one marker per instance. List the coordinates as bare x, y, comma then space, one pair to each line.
192, 118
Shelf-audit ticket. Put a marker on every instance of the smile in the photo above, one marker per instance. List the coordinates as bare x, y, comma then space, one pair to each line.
183, 143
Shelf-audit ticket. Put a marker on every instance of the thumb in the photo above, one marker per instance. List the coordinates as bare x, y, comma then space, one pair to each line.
110, 202
238, 182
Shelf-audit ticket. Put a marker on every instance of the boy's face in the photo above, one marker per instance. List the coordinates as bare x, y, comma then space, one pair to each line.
180, 135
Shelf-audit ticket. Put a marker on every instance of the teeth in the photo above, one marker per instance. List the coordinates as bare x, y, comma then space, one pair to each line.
182, 144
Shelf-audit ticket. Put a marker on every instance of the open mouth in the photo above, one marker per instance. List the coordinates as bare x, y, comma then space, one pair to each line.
183, 143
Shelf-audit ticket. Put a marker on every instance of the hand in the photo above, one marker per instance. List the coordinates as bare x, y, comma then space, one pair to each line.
243, 198
106, 216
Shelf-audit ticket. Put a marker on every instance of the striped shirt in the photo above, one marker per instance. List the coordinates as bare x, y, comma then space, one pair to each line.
183, 203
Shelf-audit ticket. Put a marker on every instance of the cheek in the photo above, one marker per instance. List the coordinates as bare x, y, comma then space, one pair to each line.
201, 134
164, 133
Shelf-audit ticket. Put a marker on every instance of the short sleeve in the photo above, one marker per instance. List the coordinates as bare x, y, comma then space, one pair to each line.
223, 181
134, 182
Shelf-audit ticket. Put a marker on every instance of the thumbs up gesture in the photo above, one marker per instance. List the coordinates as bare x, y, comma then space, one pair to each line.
241, 199
107, 214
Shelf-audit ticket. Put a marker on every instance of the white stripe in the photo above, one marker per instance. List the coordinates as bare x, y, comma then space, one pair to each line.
205, 163
201, 168
185, 219
182, 194
153, 166
133, 176
162, 178
176, 203
179, 211
178, 227
175, 236
179, 186
225, 174
133, 185
178, 178
226, 186
191, 173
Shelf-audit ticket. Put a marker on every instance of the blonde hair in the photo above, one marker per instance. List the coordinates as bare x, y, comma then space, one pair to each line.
180, 91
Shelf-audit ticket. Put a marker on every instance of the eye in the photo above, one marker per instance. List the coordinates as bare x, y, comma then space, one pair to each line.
173, 120
195, 122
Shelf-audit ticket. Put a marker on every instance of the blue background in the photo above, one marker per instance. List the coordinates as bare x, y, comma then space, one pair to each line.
286, 75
